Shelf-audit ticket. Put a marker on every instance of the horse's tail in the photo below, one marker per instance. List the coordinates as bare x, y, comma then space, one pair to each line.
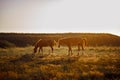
85, 40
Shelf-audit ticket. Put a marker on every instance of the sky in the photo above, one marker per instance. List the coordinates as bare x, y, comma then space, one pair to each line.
58, 16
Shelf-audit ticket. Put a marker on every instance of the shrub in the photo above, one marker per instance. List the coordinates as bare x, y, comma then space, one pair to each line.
6, 44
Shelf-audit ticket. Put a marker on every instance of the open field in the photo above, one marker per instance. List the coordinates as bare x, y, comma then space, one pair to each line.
95, 63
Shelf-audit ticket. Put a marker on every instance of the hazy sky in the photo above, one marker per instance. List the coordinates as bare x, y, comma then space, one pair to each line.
43, 16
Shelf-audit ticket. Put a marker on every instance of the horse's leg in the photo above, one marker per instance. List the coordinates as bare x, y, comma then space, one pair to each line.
41, 51
52, 48
82, 48
78, 49
70, 50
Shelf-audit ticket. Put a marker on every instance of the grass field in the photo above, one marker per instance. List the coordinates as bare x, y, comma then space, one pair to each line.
95, 63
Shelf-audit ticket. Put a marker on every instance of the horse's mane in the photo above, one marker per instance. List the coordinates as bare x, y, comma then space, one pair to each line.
38, 42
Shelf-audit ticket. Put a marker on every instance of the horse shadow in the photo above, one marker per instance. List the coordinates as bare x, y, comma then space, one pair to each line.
58, 61
23, 58
46, 59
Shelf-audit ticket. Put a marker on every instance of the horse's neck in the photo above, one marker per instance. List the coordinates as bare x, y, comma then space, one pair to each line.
36, 46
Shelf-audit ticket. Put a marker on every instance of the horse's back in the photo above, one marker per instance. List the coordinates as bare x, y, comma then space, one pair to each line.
45, 42
71, 40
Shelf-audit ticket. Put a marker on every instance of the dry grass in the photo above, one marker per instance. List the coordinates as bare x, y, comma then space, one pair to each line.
95, 63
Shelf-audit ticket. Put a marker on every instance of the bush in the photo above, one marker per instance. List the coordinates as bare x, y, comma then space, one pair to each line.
6, 44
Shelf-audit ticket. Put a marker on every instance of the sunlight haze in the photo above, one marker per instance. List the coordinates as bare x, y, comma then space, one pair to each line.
54, 16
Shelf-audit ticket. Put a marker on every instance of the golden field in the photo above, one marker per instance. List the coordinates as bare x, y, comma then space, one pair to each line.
94, 63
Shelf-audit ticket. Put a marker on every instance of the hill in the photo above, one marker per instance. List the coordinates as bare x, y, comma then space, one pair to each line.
93, 39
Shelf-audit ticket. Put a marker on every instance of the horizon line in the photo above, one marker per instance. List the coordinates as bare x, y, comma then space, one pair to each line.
61, 33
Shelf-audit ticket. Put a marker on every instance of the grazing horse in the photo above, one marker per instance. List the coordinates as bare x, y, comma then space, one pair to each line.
72, 41
44, 43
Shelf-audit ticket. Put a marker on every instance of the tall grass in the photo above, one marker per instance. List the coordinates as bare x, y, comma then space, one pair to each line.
95, 63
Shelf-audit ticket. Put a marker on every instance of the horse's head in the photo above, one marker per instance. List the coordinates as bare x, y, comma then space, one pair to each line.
55, 43
36, 45
35, 50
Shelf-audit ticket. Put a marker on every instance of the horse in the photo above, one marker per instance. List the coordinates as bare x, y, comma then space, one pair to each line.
72, 41
44, 43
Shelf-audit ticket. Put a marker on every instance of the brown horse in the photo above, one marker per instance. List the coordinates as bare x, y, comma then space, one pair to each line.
72, 41
44, 43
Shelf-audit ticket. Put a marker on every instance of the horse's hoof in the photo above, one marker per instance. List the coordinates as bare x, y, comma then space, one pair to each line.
41, 56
